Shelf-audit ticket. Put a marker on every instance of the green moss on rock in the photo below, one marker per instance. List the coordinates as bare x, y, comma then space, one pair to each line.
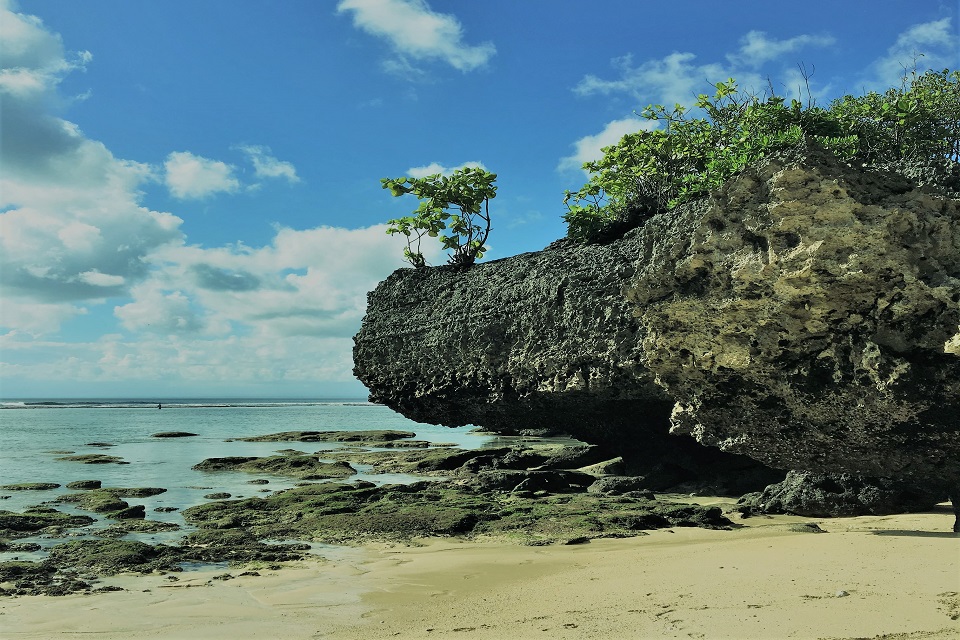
302, 467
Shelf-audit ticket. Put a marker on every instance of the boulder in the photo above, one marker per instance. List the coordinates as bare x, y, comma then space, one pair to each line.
818, 495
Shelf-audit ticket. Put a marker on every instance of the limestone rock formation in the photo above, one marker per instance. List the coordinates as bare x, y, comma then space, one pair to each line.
808, 315
542, 342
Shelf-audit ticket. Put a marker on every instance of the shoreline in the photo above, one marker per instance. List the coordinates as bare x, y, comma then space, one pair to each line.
771, 578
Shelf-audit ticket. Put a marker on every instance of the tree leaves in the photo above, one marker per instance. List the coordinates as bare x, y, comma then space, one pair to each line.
685, 157
468, 191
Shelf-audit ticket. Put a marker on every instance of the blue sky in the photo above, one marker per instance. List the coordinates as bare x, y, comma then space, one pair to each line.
190, 201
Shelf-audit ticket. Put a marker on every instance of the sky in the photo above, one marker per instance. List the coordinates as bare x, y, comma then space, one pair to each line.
190, 197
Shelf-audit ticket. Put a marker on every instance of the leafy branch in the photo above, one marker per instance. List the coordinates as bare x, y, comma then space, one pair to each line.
455, 209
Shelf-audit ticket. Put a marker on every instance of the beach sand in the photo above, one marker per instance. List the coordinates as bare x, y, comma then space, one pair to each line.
892, 576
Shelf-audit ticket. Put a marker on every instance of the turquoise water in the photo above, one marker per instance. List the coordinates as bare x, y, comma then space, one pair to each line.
33, 434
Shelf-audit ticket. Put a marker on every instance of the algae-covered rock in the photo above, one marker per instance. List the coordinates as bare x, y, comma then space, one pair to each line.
30, 486
84, 484
369, 435
337, 513
421, 461
96, 500
128, 526
302, 467
18, 525
135, 492
38, 578
94, 458
838, 495
173, 434
233, 545
110, 557
110, 501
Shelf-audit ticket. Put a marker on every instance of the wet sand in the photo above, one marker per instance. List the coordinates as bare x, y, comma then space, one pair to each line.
892, 576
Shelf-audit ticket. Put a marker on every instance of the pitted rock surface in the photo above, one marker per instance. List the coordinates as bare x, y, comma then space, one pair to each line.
808, 315
541, 342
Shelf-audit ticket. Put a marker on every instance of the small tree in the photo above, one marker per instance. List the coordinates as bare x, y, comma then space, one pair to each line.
467, 192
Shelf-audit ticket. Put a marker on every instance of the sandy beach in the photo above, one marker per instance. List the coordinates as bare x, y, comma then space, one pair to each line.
866, 577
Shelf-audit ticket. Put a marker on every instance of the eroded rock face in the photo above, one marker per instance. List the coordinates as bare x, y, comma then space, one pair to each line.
809, 316
542, 342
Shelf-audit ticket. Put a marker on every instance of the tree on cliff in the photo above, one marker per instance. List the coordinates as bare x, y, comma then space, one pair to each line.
648, 172
468, 191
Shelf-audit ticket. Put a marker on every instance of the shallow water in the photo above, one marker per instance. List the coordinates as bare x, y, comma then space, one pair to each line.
34, 434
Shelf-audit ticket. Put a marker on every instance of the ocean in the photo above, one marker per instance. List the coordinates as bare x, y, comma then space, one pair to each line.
35, 433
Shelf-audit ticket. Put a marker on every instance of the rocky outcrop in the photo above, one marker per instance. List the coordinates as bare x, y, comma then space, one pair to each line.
819, 495
808, 315
541, 343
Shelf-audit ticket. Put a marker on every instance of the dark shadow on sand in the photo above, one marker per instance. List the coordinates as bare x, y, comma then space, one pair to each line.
917, 534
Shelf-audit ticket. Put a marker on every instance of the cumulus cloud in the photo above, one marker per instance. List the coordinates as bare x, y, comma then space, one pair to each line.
77, 240
679, 77
756, 48
73, 226
674, 78
267, 166
189, 176
417, 32
159, 311
589, 148
928, 45
435, 168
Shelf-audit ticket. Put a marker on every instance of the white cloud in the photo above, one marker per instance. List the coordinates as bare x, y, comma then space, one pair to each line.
73, 226
930, 45
434, 168
33, 58
674, 78
416, 31
97, 279
266, 166
76, 238
161, 312
189, 176
589, 148
756, 48
678, 78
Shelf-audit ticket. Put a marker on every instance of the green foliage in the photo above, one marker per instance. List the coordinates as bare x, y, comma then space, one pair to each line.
685, 157
463, 230
920, 119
